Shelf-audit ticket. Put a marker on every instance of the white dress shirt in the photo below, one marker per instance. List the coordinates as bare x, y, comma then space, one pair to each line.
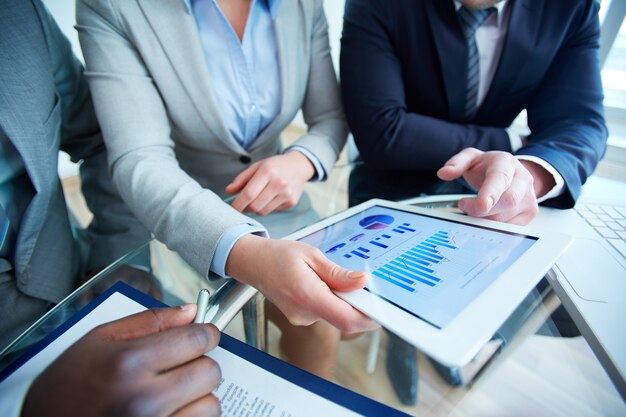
490, 37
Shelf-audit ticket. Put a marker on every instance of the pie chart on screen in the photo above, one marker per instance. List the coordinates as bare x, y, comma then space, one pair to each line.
377, 221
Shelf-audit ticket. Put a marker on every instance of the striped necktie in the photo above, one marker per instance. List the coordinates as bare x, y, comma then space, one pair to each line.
471, 21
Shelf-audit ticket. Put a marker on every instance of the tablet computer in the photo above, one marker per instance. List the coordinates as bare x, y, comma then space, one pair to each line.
442, 281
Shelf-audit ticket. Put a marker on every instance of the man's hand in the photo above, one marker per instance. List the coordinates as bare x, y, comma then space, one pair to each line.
275, 183
299, 280
507, 187
151, 363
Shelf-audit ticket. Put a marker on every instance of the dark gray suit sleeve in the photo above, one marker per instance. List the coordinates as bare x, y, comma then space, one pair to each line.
114, 230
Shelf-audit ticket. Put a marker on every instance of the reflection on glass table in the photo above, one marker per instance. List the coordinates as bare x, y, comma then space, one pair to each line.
172, 281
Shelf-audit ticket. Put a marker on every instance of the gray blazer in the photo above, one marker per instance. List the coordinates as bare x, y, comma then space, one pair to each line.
45, 106
170, 153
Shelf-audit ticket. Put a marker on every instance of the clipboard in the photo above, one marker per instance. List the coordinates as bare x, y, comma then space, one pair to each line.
250, 376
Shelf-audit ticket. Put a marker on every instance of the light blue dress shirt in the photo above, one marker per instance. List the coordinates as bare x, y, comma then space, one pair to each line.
245, 75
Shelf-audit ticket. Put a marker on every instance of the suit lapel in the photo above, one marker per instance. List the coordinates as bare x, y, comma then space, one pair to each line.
521, 38
27, 139
21, 101
176, 30
452, 52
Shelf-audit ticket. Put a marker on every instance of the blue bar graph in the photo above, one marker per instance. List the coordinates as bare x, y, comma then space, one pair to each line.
425, 256
408, 264
389, 270
393, 281
413, 259
445, 245
359, 254
414, 274
426, 248
380, 245
419, 256
362, 249
439, 239
426, 253
418, 265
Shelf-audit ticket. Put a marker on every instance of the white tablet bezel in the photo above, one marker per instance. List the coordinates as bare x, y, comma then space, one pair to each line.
459, 341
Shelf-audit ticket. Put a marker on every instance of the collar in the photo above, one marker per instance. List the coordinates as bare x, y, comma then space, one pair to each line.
271, 4
498, 6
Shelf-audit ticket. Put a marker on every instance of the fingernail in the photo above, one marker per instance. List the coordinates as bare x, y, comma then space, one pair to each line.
355, 275
187, 307
489, 203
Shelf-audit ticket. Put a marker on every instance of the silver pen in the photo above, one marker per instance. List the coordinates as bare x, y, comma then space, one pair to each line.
203, 304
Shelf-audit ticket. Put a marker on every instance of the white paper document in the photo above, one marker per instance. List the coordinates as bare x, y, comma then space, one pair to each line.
246, 389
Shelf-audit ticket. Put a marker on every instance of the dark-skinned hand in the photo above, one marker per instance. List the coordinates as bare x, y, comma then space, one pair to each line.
147, 364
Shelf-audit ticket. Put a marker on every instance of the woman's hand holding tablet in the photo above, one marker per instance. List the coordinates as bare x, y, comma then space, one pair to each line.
442, 281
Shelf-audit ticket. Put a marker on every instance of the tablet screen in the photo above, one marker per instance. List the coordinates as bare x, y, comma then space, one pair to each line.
431, 268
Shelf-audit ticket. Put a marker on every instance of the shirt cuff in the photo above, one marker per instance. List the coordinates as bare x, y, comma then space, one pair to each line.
559, 182
227, 241
320, 174
515, 140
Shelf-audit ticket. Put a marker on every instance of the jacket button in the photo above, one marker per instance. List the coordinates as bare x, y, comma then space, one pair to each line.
245, 159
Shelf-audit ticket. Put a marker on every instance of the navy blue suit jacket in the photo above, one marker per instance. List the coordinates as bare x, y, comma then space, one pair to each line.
403, 84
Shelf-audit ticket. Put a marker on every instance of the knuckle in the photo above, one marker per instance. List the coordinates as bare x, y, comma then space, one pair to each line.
198, 336
312, 251
510, 199
334, 269
126, 362
281, 183
506, 175
138, 405
247, 194
500, 217
291, 201
210, 367
255, 207
300, 320
474, 152
268, 170
297, 317
348, 326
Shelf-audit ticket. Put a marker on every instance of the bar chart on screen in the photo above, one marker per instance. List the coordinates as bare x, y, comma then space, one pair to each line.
415, 266
419, 263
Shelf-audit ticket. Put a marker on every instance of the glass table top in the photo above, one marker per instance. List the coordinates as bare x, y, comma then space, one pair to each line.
536, 372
